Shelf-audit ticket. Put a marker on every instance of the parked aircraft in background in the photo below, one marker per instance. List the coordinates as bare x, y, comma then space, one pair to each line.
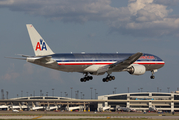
17, 111
105, 108
91, 63
125, 109
53, 108
153, 109
37, 108
4, 106
74, 108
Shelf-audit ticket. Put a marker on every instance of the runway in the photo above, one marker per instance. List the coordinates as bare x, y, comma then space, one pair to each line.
85, 117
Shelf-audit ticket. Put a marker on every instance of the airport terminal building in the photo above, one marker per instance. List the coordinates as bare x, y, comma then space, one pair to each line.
142, 101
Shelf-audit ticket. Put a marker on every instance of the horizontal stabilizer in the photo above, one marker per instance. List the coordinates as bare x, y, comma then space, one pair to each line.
17, 58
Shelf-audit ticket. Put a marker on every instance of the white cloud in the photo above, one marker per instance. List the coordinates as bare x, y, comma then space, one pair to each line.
10, 76
28, 68
167, 2
6, 2
139, 18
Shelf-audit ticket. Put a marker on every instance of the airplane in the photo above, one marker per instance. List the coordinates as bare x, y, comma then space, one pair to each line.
90, 63
125, 109
4, 106
105, 108
52, 108
153, 109
74, 108
15, 107
16, 111
37, 108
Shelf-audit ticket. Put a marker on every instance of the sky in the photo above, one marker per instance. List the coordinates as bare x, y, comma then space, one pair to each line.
91, 26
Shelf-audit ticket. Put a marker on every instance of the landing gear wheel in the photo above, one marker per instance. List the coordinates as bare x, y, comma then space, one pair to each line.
110, 78
152, 77
107, 79
113, 77
90, 77
87, 78
82, 79
104, 79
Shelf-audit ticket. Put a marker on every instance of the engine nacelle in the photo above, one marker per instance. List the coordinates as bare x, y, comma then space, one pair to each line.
137, 70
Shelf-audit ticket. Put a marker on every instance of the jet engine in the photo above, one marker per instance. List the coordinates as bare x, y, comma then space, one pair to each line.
137, 70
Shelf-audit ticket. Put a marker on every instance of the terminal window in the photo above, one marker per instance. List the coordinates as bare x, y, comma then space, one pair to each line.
139, 94
120, 97
154, 94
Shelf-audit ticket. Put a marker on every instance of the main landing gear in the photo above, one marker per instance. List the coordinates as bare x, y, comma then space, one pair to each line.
152, 76
86, 78
108, 78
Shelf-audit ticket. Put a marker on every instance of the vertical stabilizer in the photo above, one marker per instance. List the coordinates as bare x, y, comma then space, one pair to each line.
39, 45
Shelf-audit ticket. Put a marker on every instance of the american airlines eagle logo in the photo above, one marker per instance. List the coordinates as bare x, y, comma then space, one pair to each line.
41, 45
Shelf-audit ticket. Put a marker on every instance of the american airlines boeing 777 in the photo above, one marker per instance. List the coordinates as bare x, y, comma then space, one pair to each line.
91, 63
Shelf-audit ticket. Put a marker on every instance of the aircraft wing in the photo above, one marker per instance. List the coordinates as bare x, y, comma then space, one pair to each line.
125, 63
120, 65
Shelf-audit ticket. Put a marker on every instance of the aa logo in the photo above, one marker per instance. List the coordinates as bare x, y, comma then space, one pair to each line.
41, 45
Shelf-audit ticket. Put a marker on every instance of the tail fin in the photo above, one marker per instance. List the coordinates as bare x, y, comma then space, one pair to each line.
39, 45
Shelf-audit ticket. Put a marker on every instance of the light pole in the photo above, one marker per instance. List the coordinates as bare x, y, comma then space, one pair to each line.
115, 90
157, 89
65, 94
91, 92
53, 92
40, 93
168, 89
95, 93
7, 94
46, 93
21, 93
2, 92
71, 92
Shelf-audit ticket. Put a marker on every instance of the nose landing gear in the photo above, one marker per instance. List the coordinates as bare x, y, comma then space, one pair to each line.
152, 76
